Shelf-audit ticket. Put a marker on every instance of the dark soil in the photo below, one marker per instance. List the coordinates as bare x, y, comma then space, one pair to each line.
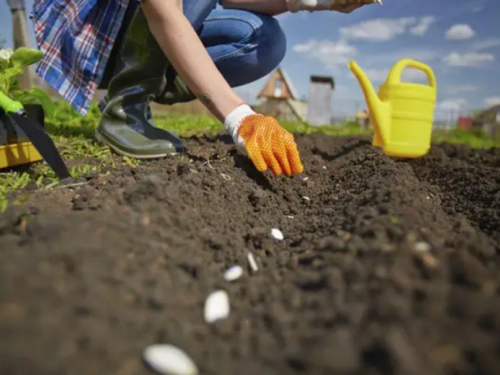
392, 266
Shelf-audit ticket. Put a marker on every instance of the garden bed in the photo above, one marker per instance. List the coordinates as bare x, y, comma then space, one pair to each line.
387, 267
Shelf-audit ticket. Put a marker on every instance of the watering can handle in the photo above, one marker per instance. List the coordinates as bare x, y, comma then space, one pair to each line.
397, 70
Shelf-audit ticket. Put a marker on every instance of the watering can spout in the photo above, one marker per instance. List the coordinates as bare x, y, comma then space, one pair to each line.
379, 110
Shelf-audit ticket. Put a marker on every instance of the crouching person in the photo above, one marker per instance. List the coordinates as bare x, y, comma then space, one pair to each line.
169, 51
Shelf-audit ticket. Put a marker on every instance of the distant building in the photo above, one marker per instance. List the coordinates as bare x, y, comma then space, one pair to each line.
21, 38
319, 110
279, 99
465, 123
363, 117
488, 120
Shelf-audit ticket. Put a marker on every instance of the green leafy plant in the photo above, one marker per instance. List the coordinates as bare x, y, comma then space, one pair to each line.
12, 64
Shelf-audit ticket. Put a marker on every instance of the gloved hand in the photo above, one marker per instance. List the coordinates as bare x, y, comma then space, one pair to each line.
267, 144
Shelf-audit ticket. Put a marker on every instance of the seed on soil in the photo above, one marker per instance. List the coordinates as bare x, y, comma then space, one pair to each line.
253, 263
306, 198
305, 179
216, 306
290, 216
169, 360
430, 260
277, 234
233, 273
422, 247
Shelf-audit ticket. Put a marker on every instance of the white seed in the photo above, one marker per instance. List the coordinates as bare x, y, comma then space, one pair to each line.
277, 234
324, 167
253, 263
169, 360
216, 306
290, 217
306, 198
305, 179
422, 247
233, 273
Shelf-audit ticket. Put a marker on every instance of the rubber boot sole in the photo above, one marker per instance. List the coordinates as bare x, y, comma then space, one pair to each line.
102, 139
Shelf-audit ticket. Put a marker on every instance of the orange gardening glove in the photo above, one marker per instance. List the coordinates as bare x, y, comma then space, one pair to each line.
266, 143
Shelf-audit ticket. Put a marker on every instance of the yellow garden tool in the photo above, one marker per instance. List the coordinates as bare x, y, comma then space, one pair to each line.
402, 113
33, 144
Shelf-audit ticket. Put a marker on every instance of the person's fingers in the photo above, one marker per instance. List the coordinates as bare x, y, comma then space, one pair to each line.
293, 154
255, 155
269, 146
266, 148
281, 155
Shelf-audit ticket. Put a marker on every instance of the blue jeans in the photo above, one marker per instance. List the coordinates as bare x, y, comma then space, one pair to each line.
244, 46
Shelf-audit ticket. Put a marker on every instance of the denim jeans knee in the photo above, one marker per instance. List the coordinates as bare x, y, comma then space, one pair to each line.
245, 46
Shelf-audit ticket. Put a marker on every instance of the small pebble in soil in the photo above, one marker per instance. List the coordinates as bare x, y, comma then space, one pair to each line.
324, 167
253, 263
169, 360
305, 179
216, 306
422, 247
277, 234
233, 273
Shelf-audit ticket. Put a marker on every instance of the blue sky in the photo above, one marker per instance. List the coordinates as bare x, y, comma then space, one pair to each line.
459, 39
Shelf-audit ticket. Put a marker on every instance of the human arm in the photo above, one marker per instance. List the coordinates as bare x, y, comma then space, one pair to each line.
178, 40
275, 7
268, 144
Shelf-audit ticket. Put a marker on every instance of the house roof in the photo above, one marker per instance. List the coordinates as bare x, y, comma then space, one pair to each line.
323, 79
287, 80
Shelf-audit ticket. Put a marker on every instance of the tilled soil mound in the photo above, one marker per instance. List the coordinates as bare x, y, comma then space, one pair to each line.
387, 266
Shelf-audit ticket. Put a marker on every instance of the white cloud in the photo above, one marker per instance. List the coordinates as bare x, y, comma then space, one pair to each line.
450, 110
493, 101
486, 44
384, 29
420, 29
461, 88
452, 104
471, 59
329, 53
460, 31
387, 58
374, 30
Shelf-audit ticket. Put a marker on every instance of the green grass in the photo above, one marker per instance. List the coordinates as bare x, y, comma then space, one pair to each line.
73, 135
473, 138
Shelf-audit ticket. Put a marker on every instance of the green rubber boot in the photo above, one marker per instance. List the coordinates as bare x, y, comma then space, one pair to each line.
175, 90
139, 71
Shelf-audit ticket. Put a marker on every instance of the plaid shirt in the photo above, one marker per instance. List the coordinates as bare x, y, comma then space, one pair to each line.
76, 37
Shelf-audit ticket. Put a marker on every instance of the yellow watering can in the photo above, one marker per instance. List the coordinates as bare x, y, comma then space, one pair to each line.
403, 112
